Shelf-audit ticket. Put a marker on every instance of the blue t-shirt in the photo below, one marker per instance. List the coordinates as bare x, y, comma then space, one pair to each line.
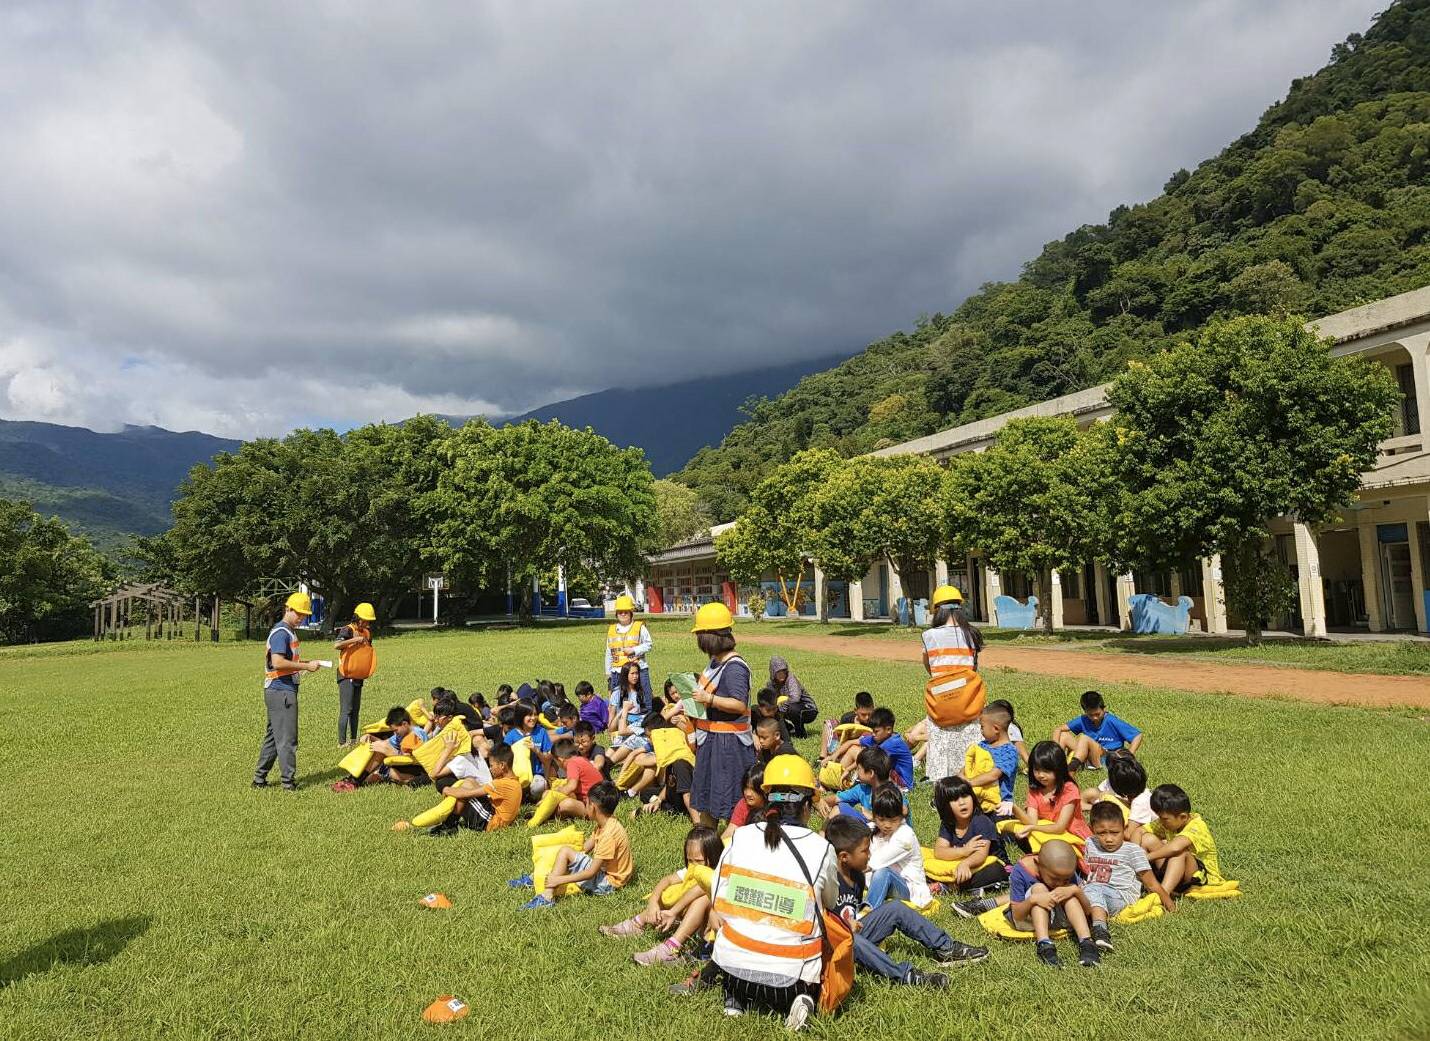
282, 644
396, 742
1005, 758
540, 742
900, 755
1111, 735
860, 795
1022, 880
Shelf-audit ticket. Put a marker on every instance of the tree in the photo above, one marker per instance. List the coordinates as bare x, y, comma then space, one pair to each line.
521, 500
1215, 438
680, 513
47, 577
879, 508
1032, 501
776, 531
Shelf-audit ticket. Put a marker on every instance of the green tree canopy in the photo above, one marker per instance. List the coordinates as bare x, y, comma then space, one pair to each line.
680, 514
47, 577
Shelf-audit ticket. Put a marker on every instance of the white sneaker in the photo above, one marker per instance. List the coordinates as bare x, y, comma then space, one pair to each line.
799, 1012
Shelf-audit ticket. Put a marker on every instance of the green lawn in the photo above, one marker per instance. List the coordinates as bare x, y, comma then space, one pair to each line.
1389, 657
151, 894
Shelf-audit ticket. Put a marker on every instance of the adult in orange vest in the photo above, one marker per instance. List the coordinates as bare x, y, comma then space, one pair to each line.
281, 666
356, 662
627, 640
954, 695
724, 741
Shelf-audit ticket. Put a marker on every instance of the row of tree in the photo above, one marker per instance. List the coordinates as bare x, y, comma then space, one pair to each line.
1210, 441
366, 514
48, 577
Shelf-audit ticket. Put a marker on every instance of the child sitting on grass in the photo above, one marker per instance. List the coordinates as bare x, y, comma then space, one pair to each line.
584, 736
751, 787
873, 769
830, 742
1090, 736
1179, 844
968, 836
1015, 732
1125, 786
578, 777
523, 725
481, 807
851, 842
688, 913
406, 735
770, 739
991, 765
882, 722
594, 710
895, 857
604, 863
1045, 893
566, 717
1117, 871
1054, 805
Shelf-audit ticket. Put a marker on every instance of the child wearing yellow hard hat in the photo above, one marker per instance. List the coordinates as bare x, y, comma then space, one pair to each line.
357, 661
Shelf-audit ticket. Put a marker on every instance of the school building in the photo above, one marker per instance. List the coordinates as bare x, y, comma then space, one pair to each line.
1367, 570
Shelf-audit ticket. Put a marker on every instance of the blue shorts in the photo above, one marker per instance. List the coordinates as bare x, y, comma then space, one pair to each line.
1100, 894
598, 884
636, 743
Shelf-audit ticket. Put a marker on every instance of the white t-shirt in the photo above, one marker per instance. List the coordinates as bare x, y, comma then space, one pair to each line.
1015, 733
470, 767
900, 851
1141, 809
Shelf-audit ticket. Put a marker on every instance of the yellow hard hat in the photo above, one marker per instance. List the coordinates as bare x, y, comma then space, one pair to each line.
946, 595
788, 771
299, 602
712, 617
365, 611
625, 602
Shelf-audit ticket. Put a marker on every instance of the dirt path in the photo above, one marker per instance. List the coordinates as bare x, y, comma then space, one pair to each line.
1256, 681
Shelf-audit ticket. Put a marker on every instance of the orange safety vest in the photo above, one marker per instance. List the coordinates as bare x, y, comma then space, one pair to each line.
269, 673
359, 661
620, 644
709, 680
954, 694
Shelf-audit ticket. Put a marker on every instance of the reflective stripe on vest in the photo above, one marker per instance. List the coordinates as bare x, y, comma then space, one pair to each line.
709, 681
801, 951
619, 644
269, 673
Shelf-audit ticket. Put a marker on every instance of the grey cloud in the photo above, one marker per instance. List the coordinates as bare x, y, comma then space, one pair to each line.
492, 206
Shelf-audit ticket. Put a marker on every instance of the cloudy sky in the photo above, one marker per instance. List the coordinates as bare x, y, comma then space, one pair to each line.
243, 217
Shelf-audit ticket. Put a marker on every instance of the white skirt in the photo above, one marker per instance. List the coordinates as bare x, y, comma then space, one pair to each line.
947, 747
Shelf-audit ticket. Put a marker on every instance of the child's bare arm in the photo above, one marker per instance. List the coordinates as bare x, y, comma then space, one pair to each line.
945, 850
1152, 885
1060, 824
1169, 849
1136, 744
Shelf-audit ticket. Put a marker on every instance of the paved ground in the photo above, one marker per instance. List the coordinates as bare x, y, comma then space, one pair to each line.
1254, 681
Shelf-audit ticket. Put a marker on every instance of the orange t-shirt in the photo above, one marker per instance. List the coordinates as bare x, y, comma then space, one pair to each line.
505, 796
613, 850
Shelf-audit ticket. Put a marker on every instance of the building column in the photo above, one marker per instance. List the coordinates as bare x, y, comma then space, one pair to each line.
940, 573
820, 610
1099, 592
1370, 576
856, 600
1419, 349
1214, 595
992, 589
1126, 586
1308, 579
896, 590
1419, 581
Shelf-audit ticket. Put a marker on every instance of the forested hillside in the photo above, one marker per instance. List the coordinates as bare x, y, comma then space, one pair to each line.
1323, 206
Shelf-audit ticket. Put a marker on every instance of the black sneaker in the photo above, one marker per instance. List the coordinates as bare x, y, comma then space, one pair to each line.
935, 980
260, 784
959, 954
1074, 765
974, 908
291, 786
1102, 936
441, 831
1088, 956
1048, 954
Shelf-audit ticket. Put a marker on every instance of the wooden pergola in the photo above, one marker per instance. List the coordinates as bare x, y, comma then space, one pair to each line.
164, 611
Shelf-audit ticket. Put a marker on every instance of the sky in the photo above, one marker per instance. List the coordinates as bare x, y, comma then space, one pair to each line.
240, 218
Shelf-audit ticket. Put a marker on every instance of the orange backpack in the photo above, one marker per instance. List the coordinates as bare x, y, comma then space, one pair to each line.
359, 661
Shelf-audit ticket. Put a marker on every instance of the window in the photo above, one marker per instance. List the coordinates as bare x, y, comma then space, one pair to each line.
1409, 400
1072, 584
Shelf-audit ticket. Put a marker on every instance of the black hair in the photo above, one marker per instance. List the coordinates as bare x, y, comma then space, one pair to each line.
1006, 706
560, 692
710, 844
888, 802
606, 796
998, 714
715, 643
1105, 811
501, 754
945, 613
503, 691
545, 690
783, 805
1048, 755
667, 687
564, 748
768, 697
525, 710
397, 715
877, 762
566, 710
445, 704
624, 672
584, 688
477, 700
1125, 775
506, 716
1169, 798
753, 778
845, 833
882, 717
584, 728
767, 723
946, 791
863, 700
1092, 701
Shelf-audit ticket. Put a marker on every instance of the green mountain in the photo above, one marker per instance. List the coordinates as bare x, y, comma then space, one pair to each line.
1324, 205
105, 486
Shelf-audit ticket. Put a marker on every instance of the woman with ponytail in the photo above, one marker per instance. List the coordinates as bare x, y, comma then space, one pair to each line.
773, 885
954, 695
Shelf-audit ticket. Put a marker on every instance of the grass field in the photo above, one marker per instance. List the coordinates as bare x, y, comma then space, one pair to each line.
1387, 657
151, 894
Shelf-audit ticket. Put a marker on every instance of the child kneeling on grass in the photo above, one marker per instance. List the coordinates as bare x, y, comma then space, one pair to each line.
1117, 870
851, 841
602, 866
688, 913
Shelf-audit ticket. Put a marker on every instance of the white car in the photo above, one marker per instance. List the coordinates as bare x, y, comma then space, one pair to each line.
580, 603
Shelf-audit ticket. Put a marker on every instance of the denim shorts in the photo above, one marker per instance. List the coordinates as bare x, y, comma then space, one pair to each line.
597, 885
636, 743
1100, 894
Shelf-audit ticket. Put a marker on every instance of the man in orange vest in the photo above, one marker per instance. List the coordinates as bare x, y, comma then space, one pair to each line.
356, 662
281, 666
627, 640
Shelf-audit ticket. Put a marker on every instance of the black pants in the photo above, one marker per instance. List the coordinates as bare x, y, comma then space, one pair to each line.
799, 718
992, 875
349, 707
